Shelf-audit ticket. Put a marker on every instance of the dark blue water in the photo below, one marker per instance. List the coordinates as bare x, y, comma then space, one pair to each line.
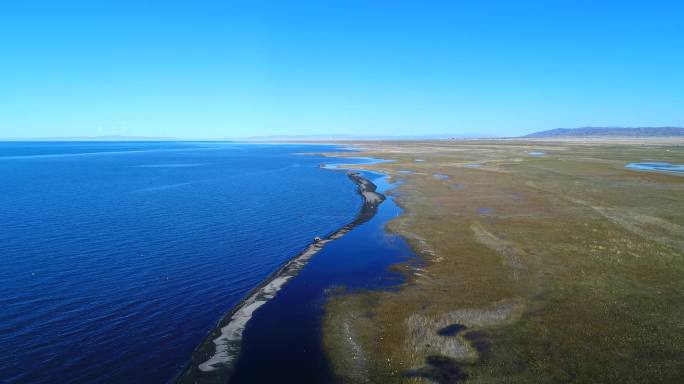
282, 342
116, 259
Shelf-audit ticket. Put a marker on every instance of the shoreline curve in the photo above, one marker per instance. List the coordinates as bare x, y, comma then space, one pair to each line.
213, 361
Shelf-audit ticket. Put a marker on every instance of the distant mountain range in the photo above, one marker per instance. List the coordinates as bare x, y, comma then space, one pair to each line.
552, 133
609, 131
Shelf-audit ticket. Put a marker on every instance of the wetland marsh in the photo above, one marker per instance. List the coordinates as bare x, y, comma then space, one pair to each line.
536, 269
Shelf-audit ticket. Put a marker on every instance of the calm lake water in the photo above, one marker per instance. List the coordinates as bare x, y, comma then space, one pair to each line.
282, 343
118, 258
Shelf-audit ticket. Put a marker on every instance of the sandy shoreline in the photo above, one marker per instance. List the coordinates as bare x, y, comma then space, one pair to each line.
214, 359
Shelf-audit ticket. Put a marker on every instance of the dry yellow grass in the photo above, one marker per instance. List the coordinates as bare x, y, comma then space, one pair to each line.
566, 267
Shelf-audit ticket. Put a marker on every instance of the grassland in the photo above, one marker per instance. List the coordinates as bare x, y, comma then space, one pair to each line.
564, 267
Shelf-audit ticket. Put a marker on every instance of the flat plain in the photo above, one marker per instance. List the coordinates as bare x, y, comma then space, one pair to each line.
540, 262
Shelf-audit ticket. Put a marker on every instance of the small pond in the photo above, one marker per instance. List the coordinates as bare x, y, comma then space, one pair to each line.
657, 167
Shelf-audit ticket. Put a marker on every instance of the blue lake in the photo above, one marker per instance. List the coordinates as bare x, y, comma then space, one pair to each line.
282, 342
118, 258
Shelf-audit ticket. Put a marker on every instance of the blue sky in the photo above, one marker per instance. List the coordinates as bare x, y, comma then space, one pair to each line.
215, 69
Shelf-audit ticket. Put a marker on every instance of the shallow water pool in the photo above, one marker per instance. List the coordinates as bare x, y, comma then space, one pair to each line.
657, 167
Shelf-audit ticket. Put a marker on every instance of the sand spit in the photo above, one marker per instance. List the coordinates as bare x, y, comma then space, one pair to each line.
213, 361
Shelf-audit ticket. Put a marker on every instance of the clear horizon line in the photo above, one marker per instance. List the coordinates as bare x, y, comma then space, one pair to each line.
236, 138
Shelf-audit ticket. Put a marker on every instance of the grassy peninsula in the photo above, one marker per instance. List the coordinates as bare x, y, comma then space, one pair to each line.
542, 262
